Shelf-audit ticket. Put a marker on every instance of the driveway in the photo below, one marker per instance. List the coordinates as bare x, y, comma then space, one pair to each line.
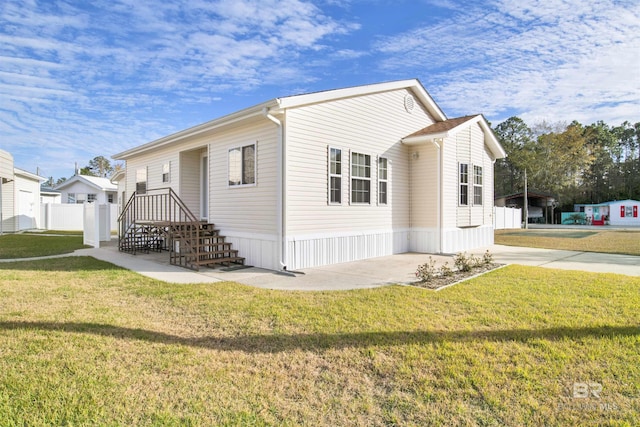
567, 260
368, 273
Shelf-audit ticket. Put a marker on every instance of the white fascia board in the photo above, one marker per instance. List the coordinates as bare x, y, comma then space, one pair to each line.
424, 139
491, 140
78, 178
28, 175
238, 116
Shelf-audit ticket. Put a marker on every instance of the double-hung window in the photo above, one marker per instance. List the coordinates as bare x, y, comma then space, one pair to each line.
360, 178
383, 173
464, 184
335, 176
166, 172
141, 181
242, 165
477, 185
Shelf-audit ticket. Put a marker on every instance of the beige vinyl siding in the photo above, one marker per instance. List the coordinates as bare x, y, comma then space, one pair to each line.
424, 185
464, 155
450, 193
8, 207
250, 208
373, 125
154, 160
488, 187
467, 146
477, 149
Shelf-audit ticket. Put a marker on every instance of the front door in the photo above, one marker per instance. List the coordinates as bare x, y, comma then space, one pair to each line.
204, 187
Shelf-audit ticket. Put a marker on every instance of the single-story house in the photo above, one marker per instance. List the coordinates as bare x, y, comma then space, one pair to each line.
617, 212
19, 196
322, 178
49, 196
88, 189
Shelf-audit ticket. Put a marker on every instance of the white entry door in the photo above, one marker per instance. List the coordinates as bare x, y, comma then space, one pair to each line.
25, 210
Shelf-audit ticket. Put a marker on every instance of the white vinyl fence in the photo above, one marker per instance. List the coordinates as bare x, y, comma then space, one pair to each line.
96, 224
506, 218
63, 216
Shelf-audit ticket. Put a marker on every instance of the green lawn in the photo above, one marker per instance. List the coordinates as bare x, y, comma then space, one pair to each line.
34, 245
84, 342
606, 241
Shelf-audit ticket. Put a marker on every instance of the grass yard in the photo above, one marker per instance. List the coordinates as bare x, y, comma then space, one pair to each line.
84, 342
34, 245
606, 241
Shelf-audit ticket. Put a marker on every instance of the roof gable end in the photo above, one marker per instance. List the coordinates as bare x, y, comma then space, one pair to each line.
450, 127
102, 184
413, 85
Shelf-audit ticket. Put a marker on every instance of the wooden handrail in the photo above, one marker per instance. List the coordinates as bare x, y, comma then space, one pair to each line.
164, 207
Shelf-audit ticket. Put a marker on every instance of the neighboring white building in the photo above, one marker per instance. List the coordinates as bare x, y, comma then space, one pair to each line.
19, 196
49, 195
624, 212
119, 179
333, 176
87, 189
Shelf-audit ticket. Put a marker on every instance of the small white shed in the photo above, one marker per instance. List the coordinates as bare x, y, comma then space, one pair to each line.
19, 196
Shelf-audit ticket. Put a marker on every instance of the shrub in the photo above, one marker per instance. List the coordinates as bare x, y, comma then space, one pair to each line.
487, 258
426, 271
462, 262
445, 270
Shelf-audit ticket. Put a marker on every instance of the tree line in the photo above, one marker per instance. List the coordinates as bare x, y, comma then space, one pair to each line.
575, 163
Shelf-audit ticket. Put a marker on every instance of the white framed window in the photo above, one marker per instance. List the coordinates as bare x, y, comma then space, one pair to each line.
383, 175
477, 185
81, 198
335, 176
71, 197
92, 197
242, 165
463, 181
141, 181
166, 172
360, 178
110, 198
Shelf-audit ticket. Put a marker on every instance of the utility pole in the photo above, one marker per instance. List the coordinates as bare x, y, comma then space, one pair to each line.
526, 202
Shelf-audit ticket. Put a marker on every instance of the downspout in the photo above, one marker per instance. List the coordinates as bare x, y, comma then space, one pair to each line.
280, 197
439, 194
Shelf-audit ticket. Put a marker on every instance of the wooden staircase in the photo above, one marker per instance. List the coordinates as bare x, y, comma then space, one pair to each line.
160, 221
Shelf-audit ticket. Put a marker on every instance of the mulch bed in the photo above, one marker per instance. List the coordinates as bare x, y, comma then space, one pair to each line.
457, 276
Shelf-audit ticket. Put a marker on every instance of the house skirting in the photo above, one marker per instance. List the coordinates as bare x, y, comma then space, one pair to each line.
465, 239
259, 250
325, 249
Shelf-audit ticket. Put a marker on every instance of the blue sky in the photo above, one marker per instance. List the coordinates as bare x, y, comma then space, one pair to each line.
80, 79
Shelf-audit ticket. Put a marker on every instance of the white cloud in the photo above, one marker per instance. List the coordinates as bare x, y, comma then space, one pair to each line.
80, 79
562, 60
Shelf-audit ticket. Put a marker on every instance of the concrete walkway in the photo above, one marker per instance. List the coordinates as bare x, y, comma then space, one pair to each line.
354, 275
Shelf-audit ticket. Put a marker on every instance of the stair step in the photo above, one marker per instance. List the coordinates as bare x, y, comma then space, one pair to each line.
227, 261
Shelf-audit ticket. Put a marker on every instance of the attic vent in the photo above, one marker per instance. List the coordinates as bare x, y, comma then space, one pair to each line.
409, 103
